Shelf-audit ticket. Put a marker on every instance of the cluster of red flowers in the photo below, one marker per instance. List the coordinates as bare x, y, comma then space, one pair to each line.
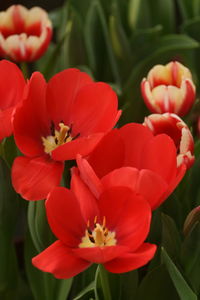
121, 174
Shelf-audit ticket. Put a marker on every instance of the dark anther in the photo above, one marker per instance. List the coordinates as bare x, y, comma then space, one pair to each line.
56, 141
52, 128
91, 239
89, 231
76, 136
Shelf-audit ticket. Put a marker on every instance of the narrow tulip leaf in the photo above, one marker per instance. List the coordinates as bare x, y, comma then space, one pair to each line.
9, 275
97, 35
153, 285
118, 35
163, 13
102, 287
82, 281
86, 293
43, 285
190, 256
9, 203
40, 231
189, 9
134, 13
171, 239
167, 44
191, 27
183, 289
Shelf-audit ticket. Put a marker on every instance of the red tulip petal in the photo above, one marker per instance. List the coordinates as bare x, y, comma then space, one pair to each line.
59, 260
65, 216
6, 128
127, 214
87, 201
64, 87
173, 184
34, 178
125, 176
12, 84
152, 187
131, 261
100, 255
88, 175
81, 145
160, 157
135, 137
94, 109
144, 182
30, 120
108, 155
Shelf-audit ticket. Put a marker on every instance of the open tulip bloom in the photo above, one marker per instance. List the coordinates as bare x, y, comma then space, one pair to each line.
57, 120
131, 156
109, 230
24, 34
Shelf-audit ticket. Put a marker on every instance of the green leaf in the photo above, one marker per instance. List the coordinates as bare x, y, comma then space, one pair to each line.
157, 285
44, 286
163, 13
191, 27
190, 257
39, 228
83, 280
8, 201
134, 12
166, 44
183, 289
102, 287
9, 268
86, 293
119, 39
97, 40
171, 239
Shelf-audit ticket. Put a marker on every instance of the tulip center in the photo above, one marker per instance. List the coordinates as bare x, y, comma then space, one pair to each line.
100, 236
58, 137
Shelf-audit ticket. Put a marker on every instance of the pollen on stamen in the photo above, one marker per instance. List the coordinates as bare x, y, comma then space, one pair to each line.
57, 137
99, 236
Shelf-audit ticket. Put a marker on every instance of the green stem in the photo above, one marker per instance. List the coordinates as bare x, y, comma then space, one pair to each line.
103, 275
24, 68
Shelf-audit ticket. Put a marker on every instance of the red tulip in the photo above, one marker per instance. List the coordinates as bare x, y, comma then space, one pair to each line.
109, 230
24, 34
59, 119
12, 84
133, 157
173, 126
169, 89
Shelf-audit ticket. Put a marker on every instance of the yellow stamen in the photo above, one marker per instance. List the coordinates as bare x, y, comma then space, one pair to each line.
100, 236
59, 138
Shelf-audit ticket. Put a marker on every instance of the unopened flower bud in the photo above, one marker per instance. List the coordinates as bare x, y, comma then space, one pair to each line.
169, 88
192, 218
174, 126
24, 33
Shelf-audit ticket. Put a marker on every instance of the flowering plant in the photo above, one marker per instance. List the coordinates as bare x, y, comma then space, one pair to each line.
99, 199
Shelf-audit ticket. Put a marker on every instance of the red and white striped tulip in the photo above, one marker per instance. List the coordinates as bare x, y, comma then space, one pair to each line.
174, 126
24, 33
169, 88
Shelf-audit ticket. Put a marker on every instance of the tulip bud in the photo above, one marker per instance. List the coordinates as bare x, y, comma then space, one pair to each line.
192, 218
24, 34
169, 88
173, 126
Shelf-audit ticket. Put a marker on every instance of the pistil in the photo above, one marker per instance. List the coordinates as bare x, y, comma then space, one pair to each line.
57, 138
100, 236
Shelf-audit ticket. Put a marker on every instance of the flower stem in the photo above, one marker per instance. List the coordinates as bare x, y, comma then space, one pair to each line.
103, 276
24, 68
